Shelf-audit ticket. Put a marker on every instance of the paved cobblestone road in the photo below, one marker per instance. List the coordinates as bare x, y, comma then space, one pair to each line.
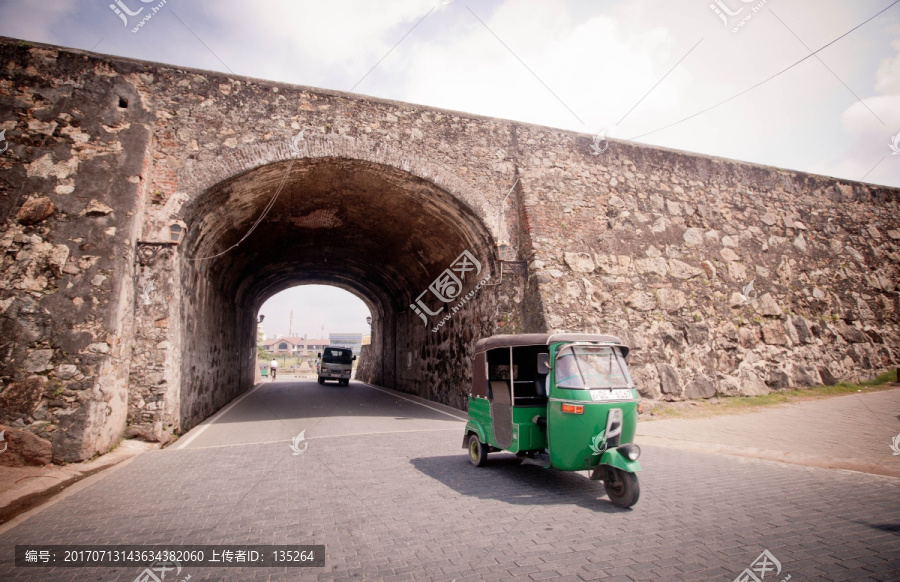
846, 432
386, 486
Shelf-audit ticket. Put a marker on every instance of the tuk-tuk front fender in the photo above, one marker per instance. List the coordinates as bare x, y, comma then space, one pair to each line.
473, 426
616, 459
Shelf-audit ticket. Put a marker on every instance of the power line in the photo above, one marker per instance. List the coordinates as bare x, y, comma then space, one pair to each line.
660, 81
258, 220
770, 78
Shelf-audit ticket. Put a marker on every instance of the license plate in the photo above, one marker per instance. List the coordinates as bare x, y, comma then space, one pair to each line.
621, 394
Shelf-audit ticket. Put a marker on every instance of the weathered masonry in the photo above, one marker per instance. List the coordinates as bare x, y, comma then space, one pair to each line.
146, 212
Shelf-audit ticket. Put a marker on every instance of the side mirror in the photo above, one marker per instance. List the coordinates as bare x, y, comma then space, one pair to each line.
319, 355
543, 364
354, 357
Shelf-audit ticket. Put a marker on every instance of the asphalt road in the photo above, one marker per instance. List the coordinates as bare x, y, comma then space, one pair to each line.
383, 483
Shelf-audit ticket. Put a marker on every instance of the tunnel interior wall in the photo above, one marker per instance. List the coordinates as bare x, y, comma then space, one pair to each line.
724, 277
372, 367
215, 368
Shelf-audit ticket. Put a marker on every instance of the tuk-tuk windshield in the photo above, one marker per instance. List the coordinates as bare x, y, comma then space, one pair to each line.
588, 367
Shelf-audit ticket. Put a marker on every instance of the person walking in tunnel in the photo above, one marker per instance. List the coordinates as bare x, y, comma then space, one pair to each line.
273, 365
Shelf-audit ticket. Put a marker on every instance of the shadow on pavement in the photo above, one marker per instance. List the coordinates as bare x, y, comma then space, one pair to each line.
504, 478
888, 527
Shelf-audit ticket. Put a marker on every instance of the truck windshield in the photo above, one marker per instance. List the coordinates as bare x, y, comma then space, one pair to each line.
588, 367
332, 356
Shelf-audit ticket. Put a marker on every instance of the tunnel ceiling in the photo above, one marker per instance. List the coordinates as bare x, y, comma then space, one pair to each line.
374, 230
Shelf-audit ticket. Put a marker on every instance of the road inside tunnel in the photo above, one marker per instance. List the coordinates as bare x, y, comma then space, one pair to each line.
376, 231
277, 411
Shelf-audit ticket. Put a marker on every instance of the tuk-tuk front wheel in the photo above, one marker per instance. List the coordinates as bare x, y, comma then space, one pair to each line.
477, 451
621, 487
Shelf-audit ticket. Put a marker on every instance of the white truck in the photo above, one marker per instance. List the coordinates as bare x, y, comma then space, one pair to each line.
336, 364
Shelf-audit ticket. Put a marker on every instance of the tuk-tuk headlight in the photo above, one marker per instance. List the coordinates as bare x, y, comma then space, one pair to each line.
631, 451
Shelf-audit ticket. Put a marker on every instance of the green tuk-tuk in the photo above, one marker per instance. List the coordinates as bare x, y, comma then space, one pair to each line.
564, 401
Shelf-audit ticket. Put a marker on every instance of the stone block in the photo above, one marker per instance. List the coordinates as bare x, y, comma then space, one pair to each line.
727, 334
23, 448
682, 270
579, 262
778, 380
804, 333
669, 380
66, 371
730, 242
851, 334
693, 237
828, 379
874, 336
696, 334
613, 264
38, 361
751, 385
670, 300
791, 331
35, 210
748, 336
729, 255
646, 380
57, 258
700, 387
96, 208
737, 299
803, 377
22, 398
767, 306
652, 265
774, 334
641, 301
737, 271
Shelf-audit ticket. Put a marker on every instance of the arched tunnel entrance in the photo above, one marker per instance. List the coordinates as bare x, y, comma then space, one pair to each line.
385, 235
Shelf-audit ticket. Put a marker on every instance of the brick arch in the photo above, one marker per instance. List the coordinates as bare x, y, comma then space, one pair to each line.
196, 178
427, 218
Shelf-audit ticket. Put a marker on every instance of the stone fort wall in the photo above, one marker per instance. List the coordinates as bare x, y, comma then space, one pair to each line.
657, 246
725, 277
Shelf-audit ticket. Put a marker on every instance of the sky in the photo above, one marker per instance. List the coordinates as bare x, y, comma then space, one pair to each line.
318, 310
808, 85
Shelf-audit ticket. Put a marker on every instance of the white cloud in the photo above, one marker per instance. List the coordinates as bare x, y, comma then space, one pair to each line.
36, 19
869, 136
330, 44
555, 69
887, 80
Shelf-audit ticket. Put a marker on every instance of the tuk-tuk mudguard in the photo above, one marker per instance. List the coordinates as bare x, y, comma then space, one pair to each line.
473, 426
616, 459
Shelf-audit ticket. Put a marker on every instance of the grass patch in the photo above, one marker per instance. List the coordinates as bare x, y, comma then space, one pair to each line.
737, 404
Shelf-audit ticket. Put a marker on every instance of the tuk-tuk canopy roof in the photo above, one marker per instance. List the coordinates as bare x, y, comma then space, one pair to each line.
537, 339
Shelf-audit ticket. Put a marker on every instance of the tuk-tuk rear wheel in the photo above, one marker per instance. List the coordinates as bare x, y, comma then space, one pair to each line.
477, 451
622, 487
